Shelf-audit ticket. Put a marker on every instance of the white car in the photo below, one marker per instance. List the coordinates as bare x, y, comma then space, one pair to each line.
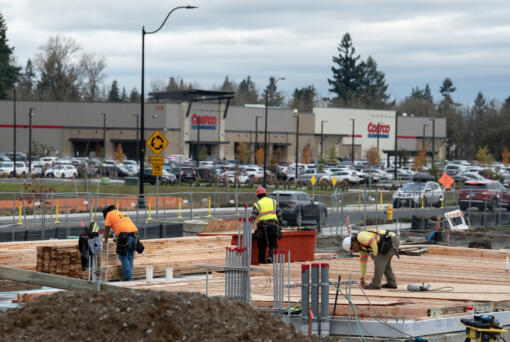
254, 172
48, 161
341, 177
62, 171
21, 169
37, 168
6, 168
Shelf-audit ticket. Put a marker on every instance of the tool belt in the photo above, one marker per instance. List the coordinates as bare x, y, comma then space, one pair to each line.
122, 243
262, 226
385, 243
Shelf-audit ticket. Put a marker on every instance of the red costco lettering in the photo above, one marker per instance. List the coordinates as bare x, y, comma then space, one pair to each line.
159, 108
378, 128
204, 120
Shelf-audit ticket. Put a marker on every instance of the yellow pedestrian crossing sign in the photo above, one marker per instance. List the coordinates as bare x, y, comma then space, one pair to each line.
157, 142
313, 180
333, 181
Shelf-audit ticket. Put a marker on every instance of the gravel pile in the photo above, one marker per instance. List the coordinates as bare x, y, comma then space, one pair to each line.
141, 315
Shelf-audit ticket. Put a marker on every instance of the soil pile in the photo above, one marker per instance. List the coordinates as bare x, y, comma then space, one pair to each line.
129, 315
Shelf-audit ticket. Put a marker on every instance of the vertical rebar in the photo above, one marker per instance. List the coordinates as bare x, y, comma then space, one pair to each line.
305, 294
288, 283
315, 294
275, 282
191, 205
342, 215
226, 271
14, 210
324, 319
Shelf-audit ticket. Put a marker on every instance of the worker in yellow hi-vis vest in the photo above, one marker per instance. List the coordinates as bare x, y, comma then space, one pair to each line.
269, 217
382, 245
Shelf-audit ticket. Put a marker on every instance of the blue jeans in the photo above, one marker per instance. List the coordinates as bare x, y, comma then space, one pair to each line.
127, 260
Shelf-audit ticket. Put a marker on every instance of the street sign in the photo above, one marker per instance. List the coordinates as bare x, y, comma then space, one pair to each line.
446, 181
313, 180
157, 142
333, 181
157, 160
157, 169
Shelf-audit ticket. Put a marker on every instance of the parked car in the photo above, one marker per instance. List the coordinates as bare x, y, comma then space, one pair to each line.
37, 169
410, 195
62, 171
305, 178
166, 178
297, 206
187, 174
342, 177
6, 168
483, 194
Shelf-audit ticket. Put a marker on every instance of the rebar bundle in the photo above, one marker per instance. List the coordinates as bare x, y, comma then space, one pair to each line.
238, 263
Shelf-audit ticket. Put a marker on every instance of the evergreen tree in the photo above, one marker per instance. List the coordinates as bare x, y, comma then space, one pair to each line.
113, 94
172, 85
447, 88
9, 72
227, 85
274, 97
134, 96
347, 73
373, 86
246, 92
26, 82
303, 99
123, 96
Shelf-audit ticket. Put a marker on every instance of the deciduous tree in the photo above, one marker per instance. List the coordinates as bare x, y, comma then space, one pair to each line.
242, 153
92, 67
420, 160
307, 154
484, 157
372, 156
259, 156
505, 156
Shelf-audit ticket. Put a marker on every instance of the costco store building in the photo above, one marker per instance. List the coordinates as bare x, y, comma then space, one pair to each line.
84, 129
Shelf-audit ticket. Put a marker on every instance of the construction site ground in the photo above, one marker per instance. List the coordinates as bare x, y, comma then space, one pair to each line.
462, 276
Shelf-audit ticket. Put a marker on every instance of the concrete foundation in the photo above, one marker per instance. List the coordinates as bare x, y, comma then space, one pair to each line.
194, 227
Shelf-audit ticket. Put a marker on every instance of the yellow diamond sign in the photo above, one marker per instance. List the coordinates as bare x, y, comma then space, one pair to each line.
157, 142
313, 180
333, 181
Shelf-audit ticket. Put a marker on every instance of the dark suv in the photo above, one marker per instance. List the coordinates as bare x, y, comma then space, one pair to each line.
297, 206
483, 195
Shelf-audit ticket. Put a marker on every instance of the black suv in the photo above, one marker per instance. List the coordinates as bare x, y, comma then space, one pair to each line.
297, 206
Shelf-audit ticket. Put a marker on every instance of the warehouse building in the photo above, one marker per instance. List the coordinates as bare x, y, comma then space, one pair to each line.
96, 129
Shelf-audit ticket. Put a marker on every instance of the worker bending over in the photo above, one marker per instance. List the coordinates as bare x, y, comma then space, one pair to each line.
126, 233
382, 245
268, 226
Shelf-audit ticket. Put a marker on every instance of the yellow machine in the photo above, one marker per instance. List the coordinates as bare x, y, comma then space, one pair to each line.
483, 329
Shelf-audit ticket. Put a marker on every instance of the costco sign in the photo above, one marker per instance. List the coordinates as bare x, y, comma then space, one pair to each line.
378, 130
206, 122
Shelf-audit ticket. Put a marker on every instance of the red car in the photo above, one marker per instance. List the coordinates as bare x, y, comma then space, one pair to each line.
484, 194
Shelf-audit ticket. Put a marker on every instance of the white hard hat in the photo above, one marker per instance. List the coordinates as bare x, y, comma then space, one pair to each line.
346, 244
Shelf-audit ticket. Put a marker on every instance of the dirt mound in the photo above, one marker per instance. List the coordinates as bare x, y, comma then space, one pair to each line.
128, 315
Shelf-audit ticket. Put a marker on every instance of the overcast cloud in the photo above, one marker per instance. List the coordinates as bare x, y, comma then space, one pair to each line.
413, 42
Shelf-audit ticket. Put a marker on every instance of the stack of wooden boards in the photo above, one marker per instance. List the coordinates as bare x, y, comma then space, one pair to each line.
62, 256
60, 260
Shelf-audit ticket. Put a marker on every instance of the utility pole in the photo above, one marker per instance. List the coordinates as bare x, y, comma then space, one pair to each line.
352, 153
322, 137
198, 142
137, 140
256, 134
423, 141
104, 134
297, 147
14, 128
433, 138
30, 115
378, 133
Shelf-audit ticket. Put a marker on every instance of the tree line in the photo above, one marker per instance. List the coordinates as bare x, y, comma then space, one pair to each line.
62, 71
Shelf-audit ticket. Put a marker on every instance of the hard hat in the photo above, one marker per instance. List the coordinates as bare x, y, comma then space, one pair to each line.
346, 244
260, 191
107, 209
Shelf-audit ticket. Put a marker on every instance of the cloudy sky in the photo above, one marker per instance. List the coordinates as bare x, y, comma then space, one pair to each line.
413, 42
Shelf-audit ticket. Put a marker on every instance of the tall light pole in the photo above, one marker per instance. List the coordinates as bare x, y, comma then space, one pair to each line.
297, 146
423, 141
257, 133
433, 138
104, 134
197, 148
142, 100
322, 137
31, 112
265, 130
352, 153
378, 133
137, 139
14, 129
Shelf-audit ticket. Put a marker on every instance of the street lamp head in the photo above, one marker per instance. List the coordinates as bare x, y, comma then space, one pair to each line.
191, 7
31, 111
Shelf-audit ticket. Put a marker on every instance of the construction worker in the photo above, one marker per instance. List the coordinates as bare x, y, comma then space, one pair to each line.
126, 233
268, 226
382, 245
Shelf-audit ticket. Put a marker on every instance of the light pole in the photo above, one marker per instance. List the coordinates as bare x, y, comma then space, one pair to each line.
137, 140
31, 112
104, 134
352, 153
322, 137
14, 128
433, 138
142, 100
297, 146
197, 151
423, 141
378, 133
265, 129
257, 133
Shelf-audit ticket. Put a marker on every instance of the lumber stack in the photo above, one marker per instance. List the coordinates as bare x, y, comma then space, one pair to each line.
415, 250
59, 260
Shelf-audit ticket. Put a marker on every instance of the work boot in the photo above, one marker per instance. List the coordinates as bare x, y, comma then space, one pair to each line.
372, 287
388, 286
269, 260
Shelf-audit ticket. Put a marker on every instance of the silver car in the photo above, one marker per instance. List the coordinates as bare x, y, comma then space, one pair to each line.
411, 194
